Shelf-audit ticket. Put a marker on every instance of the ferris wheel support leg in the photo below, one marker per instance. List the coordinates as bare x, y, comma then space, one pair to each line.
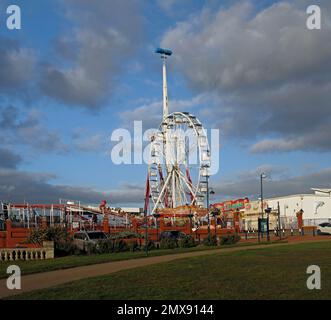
189, 186
181, 193
161, 193
174, 189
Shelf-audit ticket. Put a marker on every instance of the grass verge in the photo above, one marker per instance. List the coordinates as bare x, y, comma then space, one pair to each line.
29, 267
271, 273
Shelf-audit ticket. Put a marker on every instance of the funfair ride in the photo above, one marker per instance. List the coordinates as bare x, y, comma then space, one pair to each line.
179, 166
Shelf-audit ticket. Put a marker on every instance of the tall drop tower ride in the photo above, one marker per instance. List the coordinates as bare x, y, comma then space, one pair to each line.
164, 54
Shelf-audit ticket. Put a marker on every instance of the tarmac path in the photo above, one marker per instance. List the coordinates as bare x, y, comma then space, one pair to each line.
54, 278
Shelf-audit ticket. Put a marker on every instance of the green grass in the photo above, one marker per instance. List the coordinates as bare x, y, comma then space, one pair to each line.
273, 273
29, 267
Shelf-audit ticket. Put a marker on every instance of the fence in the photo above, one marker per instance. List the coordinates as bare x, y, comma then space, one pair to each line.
315, 222
15, 237
42, 253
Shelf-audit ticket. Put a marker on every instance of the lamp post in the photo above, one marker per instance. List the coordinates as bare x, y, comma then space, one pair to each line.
262, 176
215, 214
208, 220
279, 226
267, 211
157, 216
146, 231
190, 216
210, 191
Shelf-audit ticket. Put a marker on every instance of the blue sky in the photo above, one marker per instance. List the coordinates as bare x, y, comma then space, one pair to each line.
64, 147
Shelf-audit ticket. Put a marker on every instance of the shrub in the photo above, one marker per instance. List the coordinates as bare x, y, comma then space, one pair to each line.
230, 239
133, 246
210, 241
64, 248
110, 246
126, 235
63, 242
186, 242
168, 243
102, 246
150, 245
120, 246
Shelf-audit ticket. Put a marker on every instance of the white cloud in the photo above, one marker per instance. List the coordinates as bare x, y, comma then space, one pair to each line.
90, 143
150, 112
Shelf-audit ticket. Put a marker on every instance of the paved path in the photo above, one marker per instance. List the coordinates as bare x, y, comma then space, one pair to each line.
54, 278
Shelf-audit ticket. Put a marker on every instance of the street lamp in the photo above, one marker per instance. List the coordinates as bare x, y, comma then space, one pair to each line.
208, 221
190, 216
157, 216
215, 214
268, 211
146, 230
210, 191
262, 176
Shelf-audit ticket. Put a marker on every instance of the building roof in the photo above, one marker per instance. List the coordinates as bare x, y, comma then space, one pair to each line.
326, 195
322, 190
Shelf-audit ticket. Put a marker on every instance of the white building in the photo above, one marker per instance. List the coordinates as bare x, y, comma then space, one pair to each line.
132, 210
316, 207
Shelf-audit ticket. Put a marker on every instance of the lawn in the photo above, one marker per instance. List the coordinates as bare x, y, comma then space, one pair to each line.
270, 273
29, 267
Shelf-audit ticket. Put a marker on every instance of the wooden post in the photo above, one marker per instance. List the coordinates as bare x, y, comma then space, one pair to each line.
300, 220
106, 223
8, 233
236, 215
44, 222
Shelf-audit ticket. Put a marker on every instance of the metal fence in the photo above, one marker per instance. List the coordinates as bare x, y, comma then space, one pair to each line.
315, 222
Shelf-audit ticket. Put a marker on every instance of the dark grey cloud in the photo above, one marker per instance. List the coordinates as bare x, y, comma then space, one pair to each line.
248, 184
318, 140
25, 128
18, 186
271, 73
271, 171
128, 193
17, 64
8, 159
104, 34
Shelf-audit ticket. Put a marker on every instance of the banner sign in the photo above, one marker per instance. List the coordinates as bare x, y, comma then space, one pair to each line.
231, 205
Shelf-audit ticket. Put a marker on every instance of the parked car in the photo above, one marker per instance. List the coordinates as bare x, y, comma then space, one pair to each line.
324, 228
172, 235
85, 241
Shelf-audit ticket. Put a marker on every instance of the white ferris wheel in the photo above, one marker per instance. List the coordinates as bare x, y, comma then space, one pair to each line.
179, 166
